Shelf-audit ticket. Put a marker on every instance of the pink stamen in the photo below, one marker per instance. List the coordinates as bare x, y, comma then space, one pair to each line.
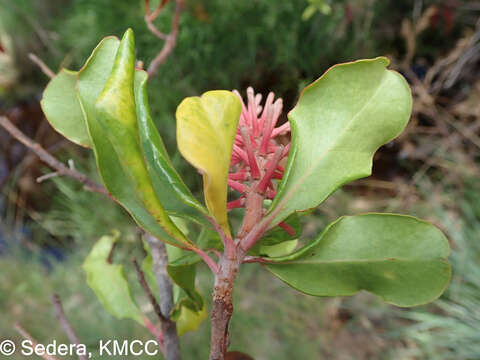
282, 129
271, 167
240, 152
251, 156
277, 110
238, 186
235, 204
239, 176
271, 194
277, 175
266, 132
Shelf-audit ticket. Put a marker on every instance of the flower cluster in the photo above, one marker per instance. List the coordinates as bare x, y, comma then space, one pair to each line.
257, 155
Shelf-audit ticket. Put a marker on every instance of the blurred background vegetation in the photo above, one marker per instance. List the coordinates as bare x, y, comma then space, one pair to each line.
431, 171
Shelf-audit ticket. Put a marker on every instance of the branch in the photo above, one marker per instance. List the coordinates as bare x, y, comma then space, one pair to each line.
169, 327
170, 39
150, 17
29, 337
148, 291
45, 69
67, 327
51, 161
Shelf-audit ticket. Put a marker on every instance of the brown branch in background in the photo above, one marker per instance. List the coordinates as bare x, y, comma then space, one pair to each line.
29, 337
148, 292
67, 327
170, 39
169, 328
150, 17
45, 69
46, 157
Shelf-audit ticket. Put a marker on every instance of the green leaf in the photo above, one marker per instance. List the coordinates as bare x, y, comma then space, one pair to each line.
105, 89
169, 186
209, 239
272, 239
109, 283
399, 258
206, 128
181, 269
337, 125
280, 249
309, 11
62, 109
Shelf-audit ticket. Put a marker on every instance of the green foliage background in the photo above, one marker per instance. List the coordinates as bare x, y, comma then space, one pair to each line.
233, 44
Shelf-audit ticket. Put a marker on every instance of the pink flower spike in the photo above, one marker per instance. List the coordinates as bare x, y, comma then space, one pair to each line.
255, 172
288, 229
235, 185
235, 204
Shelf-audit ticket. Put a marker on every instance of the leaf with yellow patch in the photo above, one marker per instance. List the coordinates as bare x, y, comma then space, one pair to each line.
206, 128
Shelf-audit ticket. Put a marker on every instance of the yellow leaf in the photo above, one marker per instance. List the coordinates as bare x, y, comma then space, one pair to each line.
206, 128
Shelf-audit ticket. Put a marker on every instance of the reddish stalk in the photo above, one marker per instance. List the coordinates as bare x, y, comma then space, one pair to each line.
207, 259
289, 230
227, 240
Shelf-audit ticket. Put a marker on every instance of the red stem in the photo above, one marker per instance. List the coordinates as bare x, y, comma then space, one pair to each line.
288, 229
228, 242
155, 332
207, 259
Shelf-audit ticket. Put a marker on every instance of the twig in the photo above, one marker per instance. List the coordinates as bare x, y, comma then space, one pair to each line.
45, 69
150, 17
51, 161
48, 176
169, 327
170, 40
207, 259
62, 319
148, 292
29, 337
